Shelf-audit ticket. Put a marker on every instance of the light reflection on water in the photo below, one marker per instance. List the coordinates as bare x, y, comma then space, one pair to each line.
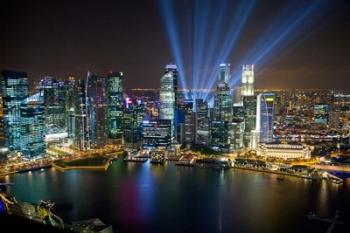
142, 197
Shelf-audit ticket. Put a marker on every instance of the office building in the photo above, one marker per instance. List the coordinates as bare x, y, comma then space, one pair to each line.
247, 81
167, 95
189, 123
14, 91
32, 109
202, 122
223, 98
133, 117
114, 94
54, 102
96, 110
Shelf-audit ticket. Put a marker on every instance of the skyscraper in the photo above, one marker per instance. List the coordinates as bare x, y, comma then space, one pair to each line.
81, 139
247, 82
70, 107
132, 118
223, 101
202, 122
267, 116
223, 111
264, 120
54, 101
250, 111
189, 123
115, 104
14, 91
33, 126
96, 110
167, 95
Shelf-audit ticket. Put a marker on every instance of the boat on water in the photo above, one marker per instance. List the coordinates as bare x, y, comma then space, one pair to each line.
135, 159
157, 160
280, 178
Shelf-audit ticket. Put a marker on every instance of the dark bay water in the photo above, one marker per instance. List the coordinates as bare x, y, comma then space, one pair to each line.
149, 198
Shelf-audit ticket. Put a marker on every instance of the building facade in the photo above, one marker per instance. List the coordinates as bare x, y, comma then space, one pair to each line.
167, 95
115, 104
14, 91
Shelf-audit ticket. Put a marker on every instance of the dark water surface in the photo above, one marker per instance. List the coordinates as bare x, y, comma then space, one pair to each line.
153, 198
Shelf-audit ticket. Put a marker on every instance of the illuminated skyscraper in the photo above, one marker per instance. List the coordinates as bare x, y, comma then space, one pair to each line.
236, 130
115, 104
250, 111
189, 123
267, 116
167, 95
33, 126
70, 107
132, 118
14, 91
96, 110
223, 97
202, 122
54, 101
264, 120
81, 139
223, 112
247, 82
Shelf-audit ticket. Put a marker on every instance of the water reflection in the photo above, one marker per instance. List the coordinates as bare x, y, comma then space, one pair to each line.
142, 197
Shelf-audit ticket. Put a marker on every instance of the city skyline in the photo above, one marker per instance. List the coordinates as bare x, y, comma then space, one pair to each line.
175, 116
72, 45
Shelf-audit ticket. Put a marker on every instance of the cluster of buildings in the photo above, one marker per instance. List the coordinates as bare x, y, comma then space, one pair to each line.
93, 112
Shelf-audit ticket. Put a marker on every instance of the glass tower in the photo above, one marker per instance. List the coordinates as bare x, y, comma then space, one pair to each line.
202, 122
96, 110
223, 101
33, 126
54, 101
14, 91
114, 104
167, 95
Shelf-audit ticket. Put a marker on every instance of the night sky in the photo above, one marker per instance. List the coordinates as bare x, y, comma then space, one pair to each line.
62, 38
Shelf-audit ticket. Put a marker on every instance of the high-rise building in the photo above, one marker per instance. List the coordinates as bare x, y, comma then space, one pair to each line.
156, 134
202, 122
189, 123
96, 110
81, 138
264, 120
1, 121
247, 82
250, 111
115, 104
267, 117
223, 112
70, 106
167, 95
219, 136
32, 111
236, 133
14, 91
54, 101
132, 118
223, 96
